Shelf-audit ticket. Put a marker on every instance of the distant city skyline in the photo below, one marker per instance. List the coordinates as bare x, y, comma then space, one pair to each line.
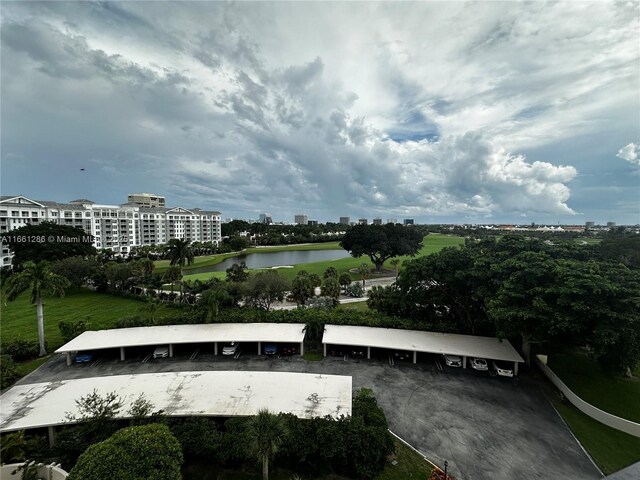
443, 112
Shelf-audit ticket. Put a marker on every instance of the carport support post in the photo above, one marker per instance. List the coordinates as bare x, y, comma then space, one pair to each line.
515, 368
215, 348
259, 347
122, 354
368, 353
170, 350
464, 362
52, 435
302, 349
324, 348
68, 359
415, 357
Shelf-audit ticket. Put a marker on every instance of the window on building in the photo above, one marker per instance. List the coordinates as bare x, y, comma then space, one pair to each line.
25, 214
15, 213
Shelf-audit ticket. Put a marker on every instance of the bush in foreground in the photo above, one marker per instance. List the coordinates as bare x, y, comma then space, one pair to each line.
148, 452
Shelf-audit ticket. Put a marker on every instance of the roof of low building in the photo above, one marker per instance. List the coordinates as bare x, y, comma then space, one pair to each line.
181, 334
420, 341
202, 393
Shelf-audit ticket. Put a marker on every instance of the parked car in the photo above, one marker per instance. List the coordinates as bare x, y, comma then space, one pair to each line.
503, 369
161, 352
357, 353
479, 364
452, 360
230, 348
401, 355
289, 350
336, 352
83, 357
270, 349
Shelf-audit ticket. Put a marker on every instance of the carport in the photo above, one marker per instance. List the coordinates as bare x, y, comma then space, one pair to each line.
121, 338
201, 393
416, 341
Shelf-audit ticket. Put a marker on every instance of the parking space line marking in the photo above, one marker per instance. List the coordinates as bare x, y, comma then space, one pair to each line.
195, 354
146, 359
97, 362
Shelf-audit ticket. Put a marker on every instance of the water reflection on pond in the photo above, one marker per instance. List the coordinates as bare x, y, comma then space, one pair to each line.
273, 259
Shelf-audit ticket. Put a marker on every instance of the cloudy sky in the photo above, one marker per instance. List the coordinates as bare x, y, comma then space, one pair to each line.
438, 111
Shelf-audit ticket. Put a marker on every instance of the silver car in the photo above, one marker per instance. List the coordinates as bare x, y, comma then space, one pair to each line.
479, 364
452, 360
161, 352
230, 348
502, 369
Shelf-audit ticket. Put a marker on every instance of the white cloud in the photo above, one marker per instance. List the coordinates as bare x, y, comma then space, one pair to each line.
630, 153
418, 110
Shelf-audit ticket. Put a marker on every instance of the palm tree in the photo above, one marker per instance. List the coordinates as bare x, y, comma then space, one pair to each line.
265, 436
172, 275
180, 253
41, 280
363, 270
212, 300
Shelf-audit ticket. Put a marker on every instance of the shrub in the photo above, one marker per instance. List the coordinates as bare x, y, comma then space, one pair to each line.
21, 350
355, 290
8, 372
70, 330
148, 452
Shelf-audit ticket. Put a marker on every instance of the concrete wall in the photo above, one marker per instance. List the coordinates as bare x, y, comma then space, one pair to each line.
627, 426
45, 472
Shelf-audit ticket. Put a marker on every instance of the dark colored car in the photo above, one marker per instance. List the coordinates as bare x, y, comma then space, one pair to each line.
270, 349
336, 352
84, 357
289, 350
357, 353
401, 355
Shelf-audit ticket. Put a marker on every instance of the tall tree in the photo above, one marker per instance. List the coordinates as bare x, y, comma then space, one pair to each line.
266, 431
38, 278
381, 242
302, 288
180, 253
264, 288
172, 275
48, 241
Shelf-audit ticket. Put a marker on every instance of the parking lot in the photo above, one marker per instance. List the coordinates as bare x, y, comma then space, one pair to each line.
487, 427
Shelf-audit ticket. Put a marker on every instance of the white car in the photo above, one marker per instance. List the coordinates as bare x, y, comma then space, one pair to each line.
452, 360
502, 369
479, 364
230, 348
161, 352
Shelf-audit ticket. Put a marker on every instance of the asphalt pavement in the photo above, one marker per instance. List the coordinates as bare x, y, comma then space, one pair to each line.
486, 427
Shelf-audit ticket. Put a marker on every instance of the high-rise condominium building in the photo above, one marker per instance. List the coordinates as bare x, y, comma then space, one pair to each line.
300, 219
408, 221
377, 221
344, 220
146, 200
117, 227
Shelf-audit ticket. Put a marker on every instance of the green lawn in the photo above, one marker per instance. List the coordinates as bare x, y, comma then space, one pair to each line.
616, 395
611, 449
411, 465
358, 306
19, 317
431, 244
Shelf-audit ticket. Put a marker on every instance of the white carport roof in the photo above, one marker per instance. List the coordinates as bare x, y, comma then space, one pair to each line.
419, 341
227, 393
177, 334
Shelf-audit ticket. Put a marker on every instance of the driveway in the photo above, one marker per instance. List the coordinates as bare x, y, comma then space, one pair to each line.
486, 427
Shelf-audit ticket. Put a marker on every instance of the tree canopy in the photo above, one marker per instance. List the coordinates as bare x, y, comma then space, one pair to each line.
381, 242
47, 241
147, 452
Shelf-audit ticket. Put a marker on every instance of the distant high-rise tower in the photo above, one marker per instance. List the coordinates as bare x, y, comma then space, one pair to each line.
265, 218
363, 221
408, 221
611, 224
146, 200
589, 224
344, 220
300, 219
377, 221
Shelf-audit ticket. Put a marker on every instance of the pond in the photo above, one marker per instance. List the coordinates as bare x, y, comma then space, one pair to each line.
275, 259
